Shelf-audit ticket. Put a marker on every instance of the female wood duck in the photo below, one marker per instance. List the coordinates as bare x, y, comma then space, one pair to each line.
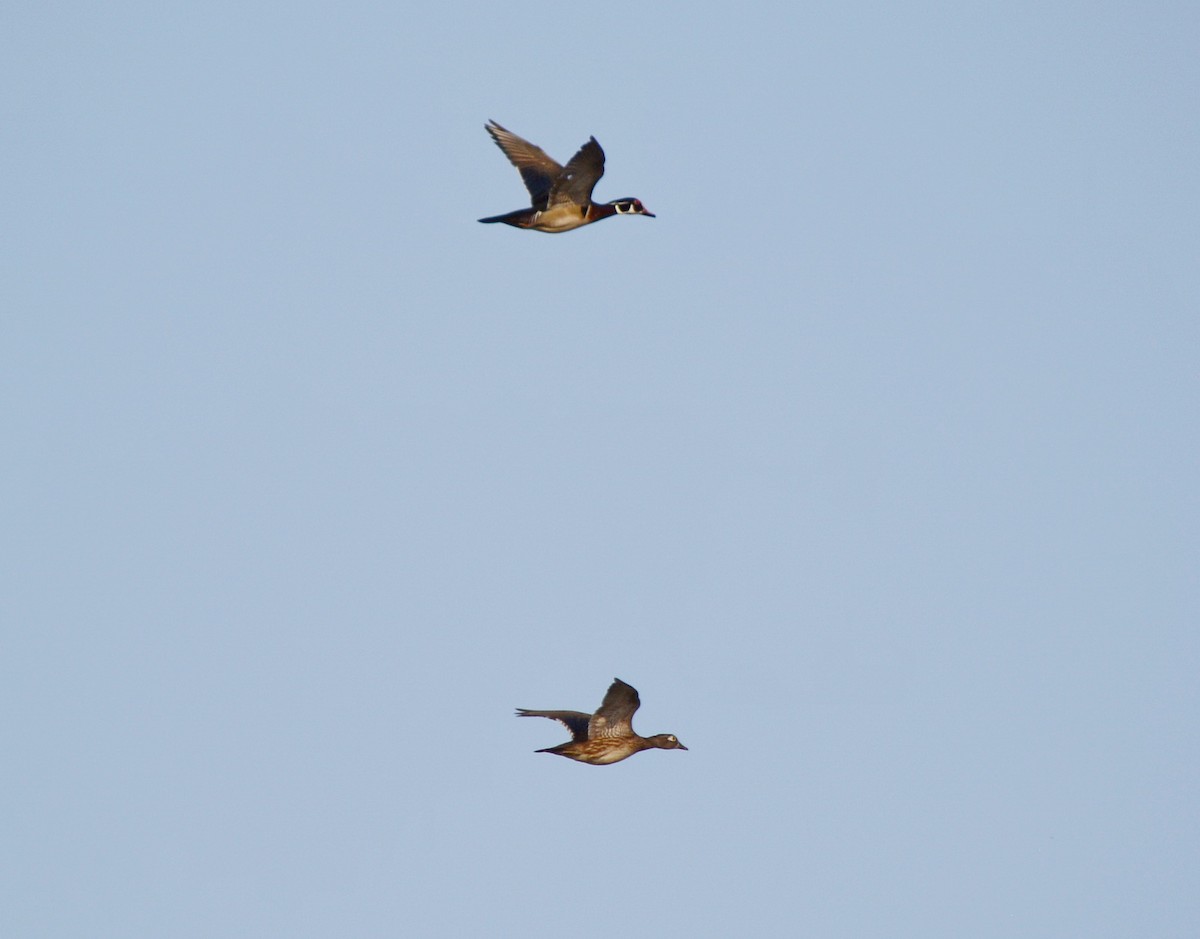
606, 736
562, 195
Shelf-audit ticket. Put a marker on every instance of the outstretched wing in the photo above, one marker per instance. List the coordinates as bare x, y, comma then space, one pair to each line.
577, 180
615, 716
575, 721
537, 169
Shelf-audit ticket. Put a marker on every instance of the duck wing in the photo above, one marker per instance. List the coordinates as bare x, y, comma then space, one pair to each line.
575, 721
578, 178
615, 716
537, 169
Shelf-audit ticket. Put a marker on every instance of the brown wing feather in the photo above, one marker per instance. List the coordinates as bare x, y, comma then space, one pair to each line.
579, 177
537, 169
614, 718
575, 721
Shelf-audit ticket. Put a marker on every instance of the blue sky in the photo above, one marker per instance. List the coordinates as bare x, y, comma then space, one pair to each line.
871, 462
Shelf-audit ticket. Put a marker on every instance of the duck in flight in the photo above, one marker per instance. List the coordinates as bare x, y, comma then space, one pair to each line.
561, 195
606, 736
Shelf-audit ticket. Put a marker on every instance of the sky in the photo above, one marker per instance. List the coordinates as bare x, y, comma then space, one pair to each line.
871, 462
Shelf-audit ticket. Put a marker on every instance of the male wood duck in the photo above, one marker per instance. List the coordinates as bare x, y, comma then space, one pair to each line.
606, 736
561, 195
